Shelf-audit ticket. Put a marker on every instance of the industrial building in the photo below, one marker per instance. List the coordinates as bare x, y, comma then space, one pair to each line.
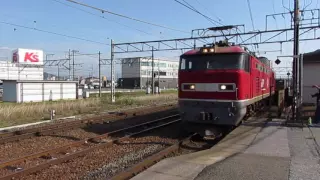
137, 73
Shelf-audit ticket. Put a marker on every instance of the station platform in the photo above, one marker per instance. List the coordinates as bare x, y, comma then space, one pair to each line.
255, 150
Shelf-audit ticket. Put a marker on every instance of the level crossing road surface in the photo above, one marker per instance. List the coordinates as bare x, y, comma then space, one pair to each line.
255, 150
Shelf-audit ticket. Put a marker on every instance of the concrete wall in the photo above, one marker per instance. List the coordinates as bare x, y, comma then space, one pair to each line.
142, 82
38, 91
311, 76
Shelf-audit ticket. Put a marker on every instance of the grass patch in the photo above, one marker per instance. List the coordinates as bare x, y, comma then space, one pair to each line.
15, 114
131, 94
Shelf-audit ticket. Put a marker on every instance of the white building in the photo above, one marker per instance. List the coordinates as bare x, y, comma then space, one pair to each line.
137, 72
26, 64
36, 91
14, 71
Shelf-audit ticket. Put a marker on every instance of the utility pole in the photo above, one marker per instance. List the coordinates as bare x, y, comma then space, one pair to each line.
112, 74
158, 76
69, 57
295, 57
58, 72
99, 75
73, 65
152, 72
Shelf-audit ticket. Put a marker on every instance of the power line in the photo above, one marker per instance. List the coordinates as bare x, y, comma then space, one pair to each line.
50, 32
249, 6
274, 11
250, 11
195, 10
126, 17
210, 19
208, 10
93, 14
187, 5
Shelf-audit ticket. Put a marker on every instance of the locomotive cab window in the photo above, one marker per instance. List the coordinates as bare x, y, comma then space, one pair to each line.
183, 64
215, 62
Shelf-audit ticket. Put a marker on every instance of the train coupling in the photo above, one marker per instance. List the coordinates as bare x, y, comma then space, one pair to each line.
230, 112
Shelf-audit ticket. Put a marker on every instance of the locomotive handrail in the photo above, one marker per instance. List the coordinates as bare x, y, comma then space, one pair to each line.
236, 93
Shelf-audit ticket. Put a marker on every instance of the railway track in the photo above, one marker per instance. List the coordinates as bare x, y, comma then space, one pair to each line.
38, 161
78, 154
131, 172
17, 135
184, 146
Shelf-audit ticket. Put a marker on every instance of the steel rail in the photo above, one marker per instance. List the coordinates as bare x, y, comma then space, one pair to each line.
61, 126
131, 172
86, 150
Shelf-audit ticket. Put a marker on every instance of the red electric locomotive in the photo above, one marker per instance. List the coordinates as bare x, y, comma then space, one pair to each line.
221, 84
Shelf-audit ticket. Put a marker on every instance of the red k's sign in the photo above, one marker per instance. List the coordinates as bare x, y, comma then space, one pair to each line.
31, 57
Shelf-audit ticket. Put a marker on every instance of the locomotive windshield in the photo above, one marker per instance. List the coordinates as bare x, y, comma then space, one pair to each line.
215, 62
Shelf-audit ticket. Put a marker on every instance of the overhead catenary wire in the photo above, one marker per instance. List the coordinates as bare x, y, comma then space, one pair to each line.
250, 12
204, 7
192, 8
54, 33
126, 17
252, 23
274, 11
187, 5
93, 14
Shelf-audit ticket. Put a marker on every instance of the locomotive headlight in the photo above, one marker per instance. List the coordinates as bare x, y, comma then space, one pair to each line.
228, 87
189, 87
205, 50
212, 50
